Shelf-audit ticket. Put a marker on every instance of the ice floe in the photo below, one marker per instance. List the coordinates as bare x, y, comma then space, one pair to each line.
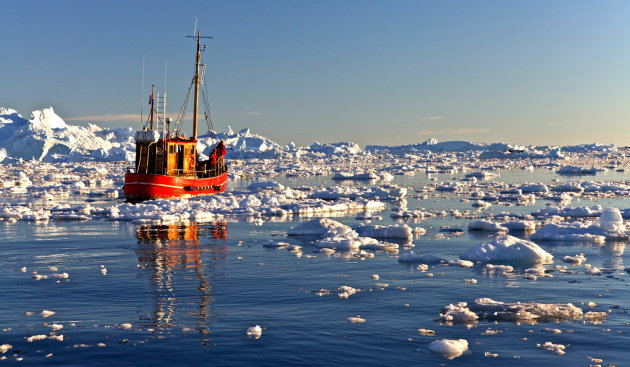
507, 248
254, 332
449, 348
529, 312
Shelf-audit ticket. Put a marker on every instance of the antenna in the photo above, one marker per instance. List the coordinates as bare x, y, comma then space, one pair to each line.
195, 30
142, 93
164, 104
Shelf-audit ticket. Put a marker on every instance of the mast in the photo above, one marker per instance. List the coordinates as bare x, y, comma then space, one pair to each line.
152, 100
194, 137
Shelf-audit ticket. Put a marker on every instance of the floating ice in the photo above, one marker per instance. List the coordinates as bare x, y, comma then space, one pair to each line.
33, 338
484, 225
507, 248
47, 313
344, 240
498, 268
449, 348
378, 231
531, 312
125, 326
346, 291
556, 348
5, 347
458, 314
460, 263
356, 319
254, 331
576, 260
275, 244
593, 271
611, 220
520, 225
575, 232
573, 170
317, 227
326, 251
355, 176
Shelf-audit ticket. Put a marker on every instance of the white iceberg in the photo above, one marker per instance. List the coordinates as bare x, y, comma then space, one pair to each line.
507, 248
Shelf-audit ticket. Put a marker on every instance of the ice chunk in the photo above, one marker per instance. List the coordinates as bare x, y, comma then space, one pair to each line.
449, 348
326, 251
30, 339
499, 268
377, 231
507, 248
460, 263
458, 314
576, 260
317, 227
574, 232
275, 244
556, 348
254, 331
611, 220
488, 309
356, 319
47, 313
484, 225
5, 347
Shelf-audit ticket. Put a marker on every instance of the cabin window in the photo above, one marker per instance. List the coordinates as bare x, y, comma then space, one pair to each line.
171, 149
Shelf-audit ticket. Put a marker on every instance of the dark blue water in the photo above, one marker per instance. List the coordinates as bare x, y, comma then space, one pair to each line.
189, 293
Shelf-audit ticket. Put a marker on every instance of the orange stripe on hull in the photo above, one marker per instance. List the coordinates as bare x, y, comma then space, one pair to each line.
140, 186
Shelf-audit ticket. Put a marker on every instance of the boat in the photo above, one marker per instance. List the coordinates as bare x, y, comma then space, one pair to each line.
167, 163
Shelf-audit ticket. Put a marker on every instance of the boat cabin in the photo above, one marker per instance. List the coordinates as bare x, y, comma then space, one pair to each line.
175, 157
171, 157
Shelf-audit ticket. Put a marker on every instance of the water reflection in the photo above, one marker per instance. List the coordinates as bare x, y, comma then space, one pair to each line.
172, 254
612, 252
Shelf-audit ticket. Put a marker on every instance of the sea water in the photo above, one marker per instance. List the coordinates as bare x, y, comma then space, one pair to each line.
139, 294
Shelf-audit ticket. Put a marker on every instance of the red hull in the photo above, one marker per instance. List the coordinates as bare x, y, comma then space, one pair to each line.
141, 186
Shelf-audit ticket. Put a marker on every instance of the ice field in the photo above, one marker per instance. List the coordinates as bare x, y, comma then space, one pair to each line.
450, 253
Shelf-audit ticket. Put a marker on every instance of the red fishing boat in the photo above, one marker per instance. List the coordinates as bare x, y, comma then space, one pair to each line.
167, 163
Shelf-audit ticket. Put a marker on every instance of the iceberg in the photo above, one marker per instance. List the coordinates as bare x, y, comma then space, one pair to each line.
507, 248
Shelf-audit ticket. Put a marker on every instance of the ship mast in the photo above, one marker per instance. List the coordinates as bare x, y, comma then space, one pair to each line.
152, 101
196, 100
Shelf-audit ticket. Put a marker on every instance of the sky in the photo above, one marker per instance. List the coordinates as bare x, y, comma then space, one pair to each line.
544, 72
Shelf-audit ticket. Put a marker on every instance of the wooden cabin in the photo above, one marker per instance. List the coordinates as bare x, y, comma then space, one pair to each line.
170, 157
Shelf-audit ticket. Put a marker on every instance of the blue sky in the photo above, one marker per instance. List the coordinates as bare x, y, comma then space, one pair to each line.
373, 72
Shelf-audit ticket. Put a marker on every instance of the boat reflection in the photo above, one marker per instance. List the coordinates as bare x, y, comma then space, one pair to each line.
174, 258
